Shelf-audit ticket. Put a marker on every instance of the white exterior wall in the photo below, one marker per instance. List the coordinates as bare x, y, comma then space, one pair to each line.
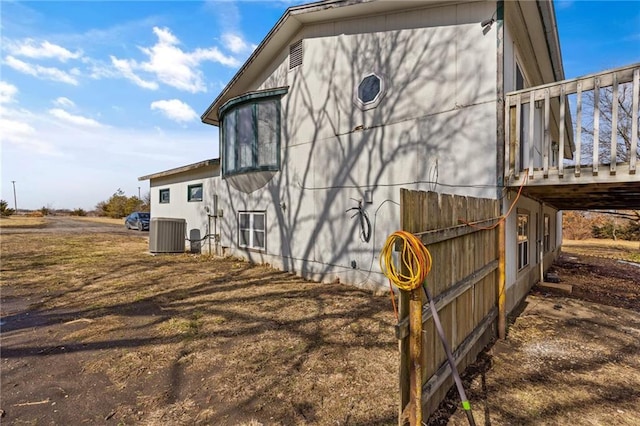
435, 129
519, 282
193, 212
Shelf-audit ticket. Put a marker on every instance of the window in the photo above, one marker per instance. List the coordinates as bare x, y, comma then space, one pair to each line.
250, 137
523, 240
369, 88
164, 196
369, 91
251, 230
194, 192
547, 233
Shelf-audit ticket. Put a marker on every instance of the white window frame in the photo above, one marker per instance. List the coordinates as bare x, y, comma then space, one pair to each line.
252, 230
375, 101
522, 240
546, 239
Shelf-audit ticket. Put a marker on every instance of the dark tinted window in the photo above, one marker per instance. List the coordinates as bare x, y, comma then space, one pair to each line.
369, 88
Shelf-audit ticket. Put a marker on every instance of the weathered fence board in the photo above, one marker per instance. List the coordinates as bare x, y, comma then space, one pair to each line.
461, 234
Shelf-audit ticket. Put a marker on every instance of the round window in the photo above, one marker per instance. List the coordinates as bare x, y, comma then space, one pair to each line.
369, 91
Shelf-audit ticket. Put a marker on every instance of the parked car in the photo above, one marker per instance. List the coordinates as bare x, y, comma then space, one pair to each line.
137, 220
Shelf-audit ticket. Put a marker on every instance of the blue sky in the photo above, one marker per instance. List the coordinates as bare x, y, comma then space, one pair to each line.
95, 94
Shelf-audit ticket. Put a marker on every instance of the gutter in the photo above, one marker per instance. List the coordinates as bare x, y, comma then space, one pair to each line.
548, 15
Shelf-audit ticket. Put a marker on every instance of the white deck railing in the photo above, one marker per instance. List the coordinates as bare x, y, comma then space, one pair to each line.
584, 124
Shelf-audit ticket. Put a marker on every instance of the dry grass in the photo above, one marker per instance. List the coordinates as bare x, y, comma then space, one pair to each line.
620, 249
182, 339
22, 222
240, 344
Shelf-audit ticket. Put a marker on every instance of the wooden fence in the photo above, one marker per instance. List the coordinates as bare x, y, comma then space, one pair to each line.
464, 281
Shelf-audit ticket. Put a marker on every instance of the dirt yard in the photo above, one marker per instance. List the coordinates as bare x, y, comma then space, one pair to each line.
94, 330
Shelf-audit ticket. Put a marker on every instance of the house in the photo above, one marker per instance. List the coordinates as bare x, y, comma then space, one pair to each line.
189, 192
345, 102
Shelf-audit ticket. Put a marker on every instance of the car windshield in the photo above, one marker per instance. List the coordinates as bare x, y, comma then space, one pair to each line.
144, 215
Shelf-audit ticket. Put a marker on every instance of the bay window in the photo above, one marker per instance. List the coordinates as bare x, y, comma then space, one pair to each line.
250, 136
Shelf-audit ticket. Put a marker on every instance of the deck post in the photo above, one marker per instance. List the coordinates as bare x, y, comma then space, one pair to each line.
507, 140
518, 147
634, 123
614, 126
596, 125
532, 120
547, 135
562, 130
578, 127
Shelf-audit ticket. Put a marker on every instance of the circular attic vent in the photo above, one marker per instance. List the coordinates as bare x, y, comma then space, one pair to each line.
369, 91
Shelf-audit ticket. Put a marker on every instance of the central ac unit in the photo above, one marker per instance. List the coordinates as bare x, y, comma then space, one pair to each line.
167, 235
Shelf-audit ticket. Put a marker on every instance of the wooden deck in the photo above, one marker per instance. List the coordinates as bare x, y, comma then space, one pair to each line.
574, 144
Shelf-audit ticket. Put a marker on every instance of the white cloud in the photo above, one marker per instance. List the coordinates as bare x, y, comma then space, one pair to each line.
17, 130
38, 71
7, 92
64, 102
170, 65
175, 109
74, 119
45, 50
74, 177
236, 44
125, 68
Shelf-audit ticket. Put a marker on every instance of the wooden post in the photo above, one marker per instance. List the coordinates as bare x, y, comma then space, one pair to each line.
532, 118
415, 348
403, 348
562, 130
596, 125
614, 126
407, 217
578, 141
634, 122
547, 135
502, 290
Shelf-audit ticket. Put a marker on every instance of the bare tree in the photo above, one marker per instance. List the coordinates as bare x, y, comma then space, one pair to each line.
623, 124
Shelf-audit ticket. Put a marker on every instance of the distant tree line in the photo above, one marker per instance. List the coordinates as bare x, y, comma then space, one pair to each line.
5, 210
615, 225
119, 205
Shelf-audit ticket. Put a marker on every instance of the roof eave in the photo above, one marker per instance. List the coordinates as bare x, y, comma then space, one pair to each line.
181, 169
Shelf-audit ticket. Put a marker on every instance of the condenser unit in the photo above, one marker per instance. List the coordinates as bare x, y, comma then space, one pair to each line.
167, 235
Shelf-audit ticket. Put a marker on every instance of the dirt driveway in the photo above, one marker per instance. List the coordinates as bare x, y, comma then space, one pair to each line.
69, 224
97, 331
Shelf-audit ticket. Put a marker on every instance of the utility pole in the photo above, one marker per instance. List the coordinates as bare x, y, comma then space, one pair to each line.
139, 198
15, 200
